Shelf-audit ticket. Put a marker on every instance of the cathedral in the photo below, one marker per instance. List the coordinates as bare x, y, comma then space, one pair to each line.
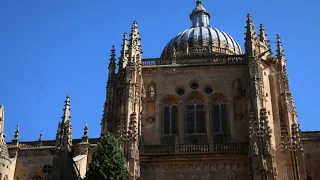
205, 109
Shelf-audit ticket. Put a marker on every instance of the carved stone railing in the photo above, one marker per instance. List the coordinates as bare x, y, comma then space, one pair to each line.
194, 149
199, 60
311, 135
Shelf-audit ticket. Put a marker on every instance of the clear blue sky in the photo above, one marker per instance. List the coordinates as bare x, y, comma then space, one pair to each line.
52, 48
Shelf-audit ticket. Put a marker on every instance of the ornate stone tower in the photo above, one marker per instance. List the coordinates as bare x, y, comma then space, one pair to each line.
276, 150
123, 107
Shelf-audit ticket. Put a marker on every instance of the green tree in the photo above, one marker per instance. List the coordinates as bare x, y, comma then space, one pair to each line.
108, 162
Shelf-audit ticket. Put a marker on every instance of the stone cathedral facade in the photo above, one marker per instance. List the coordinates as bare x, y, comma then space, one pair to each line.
206, 109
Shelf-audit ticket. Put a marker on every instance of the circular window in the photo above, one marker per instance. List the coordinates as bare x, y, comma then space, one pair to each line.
194, 85
180, 91
208, 90
47, 169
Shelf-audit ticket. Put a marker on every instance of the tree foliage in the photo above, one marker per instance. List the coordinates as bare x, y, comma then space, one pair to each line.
108, 162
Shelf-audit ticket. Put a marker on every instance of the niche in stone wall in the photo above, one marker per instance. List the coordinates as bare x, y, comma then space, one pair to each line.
150, 103
238, 100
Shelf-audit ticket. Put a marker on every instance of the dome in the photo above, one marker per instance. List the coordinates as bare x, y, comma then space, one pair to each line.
201, 38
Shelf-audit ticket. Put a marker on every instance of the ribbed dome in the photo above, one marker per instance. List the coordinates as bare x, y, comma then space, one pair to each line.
201, 38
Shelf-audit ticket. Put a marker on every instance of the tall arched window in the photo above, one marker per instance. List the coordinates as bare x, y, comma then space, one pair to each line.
170, 118
219, 117
195, 117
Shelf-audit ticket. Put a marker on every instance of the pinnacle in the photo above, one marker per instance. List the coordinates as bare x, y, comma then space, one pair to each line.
16, 133
279, 47
66, 110
67, 101
85, 130
40, 137
125, 36
199, 2
113, 52
263, 35
249, 20
278, 38
135, 24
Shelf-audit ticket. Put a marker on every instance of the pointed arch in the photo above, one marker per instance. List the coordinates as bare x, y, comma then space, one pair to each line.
170, 98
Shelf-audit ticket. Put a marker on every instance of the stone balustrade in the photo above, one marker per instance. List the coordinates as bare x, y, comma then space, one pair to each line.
194, 149
210, 60
310, 135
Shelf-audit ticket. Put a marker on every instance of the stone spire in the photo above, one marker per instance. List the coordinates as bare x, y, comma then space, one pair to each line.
263, 35
64, 133
251, 37
134, 51
112, 64
123, 60
280, 50
200, 16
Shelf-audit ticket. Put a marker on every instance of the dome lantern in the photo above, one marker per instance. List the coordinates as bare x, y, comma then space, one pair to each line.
200, 16
201, 38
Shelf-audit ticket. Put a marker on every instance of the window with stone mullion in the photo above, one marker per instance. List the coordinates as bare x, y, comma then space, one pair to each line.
195, 117
220, 124
170, 119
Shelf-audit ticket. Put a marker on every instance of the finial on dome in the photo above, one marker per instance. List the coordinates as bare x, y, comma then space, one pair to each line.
199, 2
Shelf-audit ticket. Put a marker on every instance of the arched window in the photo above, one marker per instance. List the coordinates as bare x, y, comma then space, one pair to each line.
195, 117
170, 118
152, 92
219, 117
5, 177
